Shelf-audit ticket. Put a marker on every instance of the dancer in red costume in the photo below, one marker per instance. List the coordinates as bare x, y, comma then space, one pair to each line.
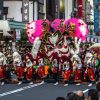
55, 68
66, 69
2, 68
89, 72
19, 70
29, 70
41, 69
77, 68
78, 71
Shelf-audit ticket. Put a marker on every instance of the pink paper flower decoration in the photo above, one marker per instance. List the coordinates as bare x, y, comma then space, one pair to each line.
78, 27
34, 29
58, 24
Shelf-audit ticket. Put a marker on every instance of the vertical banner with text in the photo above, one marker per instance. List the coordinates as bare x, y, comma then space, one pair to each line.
80, 8
18, 34
25, 10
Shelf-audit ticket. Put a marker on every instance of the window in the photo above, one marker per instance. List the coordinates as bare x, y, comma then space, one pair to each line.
5, 10
41, 1
41, 16
41, 8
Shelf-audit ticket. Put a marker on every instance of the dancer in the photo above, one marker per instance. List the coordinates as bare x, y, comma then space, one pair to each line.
77, 68
2, 68
66, 69
19, 70
29, 70
89, 72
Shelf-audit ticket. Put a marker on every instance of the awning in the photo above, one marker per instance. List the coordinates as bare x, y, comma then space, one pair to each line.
16, 24
8, 25
4, 27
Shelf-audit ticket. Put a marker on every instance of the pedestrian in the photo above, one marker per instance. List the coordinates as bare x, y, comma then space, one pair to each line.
93, 94
80, 94
72, 96
98, 86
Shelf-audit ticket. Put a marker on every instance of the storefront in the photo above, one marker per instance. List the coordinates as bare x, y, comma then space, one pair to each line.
10, 32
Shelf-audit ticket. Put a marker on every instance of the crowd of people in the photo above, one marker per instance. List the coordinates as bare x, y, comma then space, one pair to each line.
93, 94
82, 67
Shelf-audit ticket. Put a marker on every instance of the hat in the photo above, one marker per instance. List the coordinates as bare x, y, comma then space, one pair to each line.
29, 55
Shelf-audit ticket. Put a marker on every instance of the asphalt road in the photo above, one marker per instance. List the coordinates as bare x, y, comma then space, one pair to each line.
39, 91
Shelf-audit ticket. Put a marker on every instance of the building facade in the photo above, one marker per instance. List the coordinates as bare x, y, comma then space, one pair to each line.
39, 9
50, 9
18, 9
59, 9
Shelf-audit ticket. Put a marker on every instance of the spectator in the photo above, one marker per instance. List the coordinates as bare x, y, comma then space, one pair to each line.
60, 98
98, 86
80, 94
72, 96
93, 94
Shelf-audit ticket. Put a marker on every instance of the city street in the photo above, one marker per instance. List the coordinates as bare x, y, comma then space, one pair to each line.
48, 41
39, 91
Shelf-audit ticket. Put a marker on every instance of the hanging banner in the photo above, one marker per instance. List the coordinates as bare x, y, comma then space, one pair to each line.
25, 10
92, 39
80, 8
18, 34
88, 39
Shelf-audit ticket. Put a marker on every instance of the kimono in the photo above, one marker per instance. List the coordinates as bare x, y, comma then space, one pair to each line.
66, 73
89, 72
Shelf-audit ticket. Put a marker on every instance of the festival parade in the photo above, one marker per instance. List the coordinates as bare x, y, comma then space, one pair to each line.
57, 58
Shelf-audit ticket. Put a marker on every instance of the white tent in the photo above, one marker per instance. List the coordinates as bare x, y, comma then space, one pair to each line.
4, 27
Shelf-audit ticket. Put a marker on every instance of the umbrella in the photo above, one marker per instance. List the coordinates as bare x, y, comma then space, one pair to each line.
96, 48
96, 45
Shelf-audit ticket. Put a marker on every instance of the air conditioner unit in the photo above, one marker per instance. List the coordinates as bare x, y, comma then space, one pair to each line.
5, 10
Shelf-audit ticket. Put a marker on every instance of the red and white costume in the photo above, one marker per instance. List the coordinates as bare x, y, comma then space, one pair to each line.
41, 70
2, 66
89, 72
67, 68
29, 66
17, 61
77, 68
